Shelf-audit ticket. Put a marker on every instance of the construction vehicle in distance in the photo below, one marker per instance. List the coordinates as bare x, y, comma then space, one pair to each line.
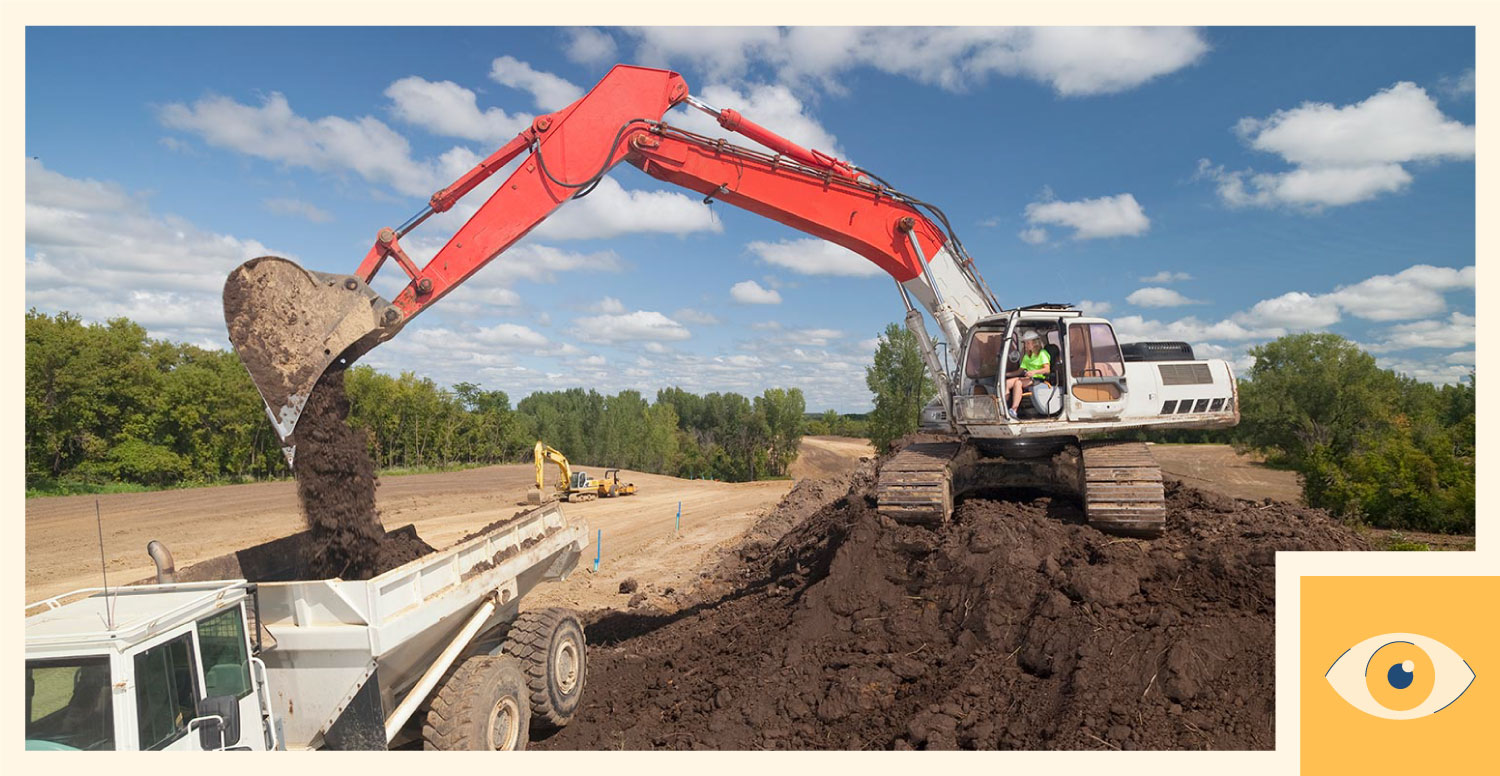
240, 652
571, 485
610, 486
289, 325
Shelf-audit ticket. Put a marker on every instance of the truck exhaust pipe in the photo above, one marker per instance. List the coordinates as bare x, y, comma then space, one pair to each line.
290, 325
166, 568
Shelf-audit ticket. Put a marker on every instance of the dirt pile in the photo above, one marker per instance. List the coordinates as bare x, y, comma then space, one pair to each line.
1014, 627
336, 488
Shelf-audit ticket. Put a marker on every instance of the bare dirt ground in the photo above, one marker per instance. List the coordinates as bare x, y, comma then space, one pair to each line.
62, 543
821, 457
1218, 468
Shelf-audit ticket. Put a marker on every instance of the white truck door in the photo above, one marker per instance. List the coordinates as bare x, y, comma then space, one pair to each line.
225, 650
1096, 385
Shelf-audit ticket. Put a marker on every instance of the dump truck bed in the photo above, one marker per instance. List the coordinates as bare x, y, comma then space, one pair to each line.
340, 654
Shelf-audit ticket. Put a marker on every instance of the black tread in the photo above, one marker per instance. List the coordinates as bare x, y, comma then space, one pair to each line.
530, 640
458, 713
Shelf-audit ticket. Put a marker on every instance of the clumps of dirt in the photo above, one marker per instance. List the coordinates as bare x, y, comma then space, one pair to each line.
1013, 627
336, 488
629, 586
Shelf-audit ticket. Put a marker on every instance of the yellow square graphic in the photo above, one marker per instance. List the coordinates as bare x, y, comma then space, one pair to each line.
1340, 613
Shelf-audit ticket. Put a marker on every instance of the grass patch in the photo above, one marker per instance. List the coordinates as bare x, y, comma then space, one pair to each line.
1397, 542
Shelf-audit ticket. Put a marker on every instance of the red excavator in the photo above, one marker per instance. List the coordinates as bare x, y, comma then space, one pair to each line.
290, 325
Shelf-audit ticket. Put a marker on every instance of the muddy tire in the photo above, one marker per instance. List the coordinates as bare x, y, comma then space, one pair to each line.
483, 705
550, 646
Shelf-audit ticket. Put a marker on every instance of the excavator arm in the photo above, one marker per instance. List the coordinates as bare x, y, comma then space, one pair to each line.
290, 325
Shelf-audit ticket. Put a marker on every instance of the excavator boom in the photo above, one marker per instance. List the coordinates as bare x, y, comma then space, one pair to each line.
290, 325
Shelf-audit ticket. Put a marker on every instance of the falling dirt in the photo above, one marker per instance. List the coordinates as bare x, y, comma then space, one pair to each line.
1014, 627
336, 488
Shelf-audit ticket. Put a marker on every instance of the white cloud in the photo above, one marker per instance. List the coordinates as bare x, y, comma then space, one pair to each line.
1091, 307
272, 131
1459, 86
507, 336
97, 251
610, 305
689, 315
295, 207
1116, 216
641, 325
549, 91
1155, 296
445, 108
751, 292
770, 105
1411, 293
1167, 276
812, 256
1034, 235
1437, 372
1073, 61
1294, 310
589, 46
1461, 357
610, 210
1341, 155
1457, 331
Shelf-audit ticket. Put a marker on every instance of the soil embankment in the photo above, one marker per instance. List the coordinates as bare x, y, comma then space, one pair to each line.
1013, 627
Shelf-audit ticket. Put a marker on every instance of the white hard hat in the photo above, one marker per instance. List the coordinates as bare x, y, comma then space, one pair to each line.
1028, 336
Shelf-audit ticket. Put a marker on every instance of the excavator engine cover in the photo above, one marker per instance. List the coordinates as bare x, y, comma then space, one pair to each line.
289, 325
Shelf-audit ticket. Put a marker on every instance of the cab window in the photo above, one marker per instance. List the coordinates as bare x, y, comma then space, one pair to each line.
226, 659
166, 691
1093, 351
69, 704
983, 361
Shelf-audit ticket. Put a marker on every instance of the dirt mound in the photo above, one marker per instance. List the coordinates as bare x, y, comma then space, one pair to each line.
336, 488
1014, 627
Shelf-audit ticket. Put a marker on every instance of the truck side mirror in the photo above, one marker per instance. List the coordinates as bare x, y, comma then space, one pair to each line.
218, 722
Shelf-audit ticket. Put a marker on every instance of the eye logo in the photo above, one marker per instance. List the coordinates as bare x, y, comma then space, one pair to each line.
1400, 676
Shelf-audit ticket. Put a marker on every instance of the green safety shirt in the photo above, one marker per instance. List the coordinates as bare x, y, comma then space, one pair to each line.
1034, 363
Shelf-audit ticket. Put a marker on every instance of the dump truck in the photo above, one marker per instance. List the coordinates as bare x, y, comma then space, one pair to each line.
236, 653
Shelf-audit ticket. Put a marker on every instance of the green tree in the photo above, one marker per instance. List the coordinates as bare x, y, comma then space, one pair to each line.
899, 380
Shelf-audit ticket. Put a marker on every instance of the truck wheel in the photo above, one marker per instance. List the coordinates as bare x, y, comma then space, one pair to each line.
550, 645
482, 705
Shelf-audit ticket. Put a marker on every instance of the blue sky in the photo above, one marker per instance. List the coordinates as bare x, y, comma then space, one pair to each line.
1221, 185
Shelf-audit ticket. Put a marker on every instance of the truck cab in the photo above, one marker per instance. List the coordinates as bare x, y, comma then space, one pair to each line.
147, 667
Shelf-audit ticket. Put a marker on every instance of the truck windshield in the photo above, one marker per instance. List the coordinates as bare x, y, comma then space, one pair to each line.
68, 704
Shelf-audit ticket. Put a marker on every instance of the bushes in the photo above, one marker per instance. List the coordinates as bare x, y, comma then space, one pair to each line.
1369, 444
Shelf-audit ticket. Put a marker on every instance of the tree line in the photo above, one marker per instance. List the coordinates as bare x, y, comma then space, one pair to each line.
106, 404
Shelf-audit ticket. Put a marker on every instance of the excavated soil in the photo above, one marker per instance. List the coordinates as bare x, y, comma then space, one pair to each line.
336, 487
1014, 627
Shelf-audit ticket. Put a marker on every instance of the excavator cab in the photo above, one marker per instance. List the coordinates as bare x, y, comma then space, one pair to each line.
290, 326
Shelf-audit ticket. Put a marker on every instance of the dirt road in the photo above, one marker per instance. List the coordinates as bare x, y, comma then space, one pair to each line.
828, 456
62, 544
1218, 468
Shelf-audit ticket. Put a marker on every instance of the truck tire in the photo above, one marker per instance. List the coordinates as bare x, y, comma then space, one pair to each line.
482, 705
550, 645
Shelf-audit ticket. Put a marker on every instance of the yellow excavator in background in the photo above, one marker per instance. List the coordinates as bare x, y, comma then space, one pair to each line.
571, 485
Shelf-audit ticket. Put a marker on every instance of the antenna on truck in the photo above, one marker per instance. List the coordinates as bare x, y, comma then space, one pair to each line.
109, 612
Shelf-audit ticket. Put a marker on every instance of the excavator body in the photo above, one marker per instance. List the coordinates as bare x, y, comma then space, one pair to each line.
290, 325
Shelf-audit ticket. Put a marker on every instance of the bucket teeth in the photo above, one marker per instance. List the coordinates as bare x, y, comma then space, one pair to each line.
1122, 489
916, 484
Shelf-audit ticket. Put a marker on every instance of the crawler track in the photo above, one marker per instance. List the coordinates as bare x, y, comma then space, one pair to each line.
916, 484
1122, 489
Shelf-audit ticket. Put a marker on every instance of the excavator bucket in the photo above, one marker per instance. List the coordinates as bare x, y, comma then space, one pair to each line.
289, 325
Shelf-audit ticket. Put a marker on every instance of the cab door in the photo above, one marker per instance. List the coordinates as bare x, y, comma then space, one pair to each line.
1096, 387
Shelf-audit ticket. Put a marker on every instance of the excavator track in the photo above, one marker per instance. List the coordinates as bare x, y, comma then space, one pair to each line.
916, 484
1122, 489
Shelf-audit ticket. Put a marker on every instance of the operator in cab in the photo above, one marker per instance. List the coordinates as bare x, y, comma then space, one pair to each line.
1036, 365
